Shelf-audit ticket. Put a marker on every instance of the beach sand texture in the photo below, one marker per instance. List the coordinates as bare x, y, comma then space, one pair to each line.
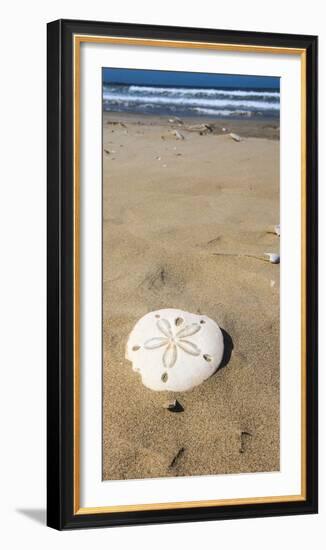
180, 217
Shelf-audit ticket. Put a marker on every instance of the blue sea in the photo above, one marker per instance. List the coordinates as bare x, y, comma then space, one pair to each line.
190, 101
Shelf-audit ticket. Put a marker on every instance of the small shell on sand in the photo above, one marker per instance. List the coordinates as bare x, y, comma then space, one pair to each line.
273, 257
277, 229
174, 350
235, 137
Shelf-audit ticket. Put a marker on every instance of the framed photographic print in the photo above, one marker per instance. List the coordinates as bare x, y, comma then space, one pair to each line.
182, 274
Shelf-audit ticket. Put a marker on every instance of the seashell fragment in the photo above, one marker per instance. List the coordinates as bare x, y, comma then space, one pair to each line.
177, 135
172, 134
200, 128
277, 230
235, 137
174, 350
273, 257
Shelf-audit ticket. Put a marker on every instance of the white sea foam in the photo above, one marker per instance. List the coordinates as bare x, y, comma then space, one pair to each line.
155, 90
193, 102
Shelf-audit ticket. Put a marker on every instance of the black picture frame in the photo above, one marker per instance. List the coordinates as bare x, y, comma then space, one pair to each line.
61, 513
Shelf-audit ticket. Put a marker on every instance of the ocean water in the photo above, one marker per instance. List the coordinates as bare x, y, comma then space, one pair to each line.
188, 101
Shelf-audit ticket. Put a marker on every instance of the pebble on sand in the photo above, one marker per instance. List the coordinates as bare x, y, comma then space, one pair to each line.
173, 406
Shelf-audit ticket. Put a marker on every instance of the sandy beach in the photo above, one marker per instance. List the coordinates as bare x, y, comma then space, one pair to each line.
186, 223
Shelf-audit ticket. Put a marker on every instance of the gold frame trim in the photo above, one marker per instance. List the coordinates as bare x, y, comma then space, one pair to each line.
77, 41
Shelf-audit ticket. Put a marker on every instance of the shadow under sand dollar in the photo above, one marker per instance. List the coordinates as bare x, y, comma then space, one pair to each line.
228, 348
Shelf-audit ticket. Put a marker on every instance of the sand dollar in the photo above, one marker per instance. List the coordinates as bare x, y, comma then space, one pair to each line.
174, 350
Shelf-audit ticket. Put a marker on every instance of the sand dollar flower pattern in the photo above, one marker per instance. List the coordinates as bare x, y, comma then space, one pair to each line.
173, 341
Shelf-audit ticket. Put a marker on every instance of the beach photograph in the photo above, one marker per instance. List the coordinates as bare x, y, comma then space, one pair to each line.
191, 274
